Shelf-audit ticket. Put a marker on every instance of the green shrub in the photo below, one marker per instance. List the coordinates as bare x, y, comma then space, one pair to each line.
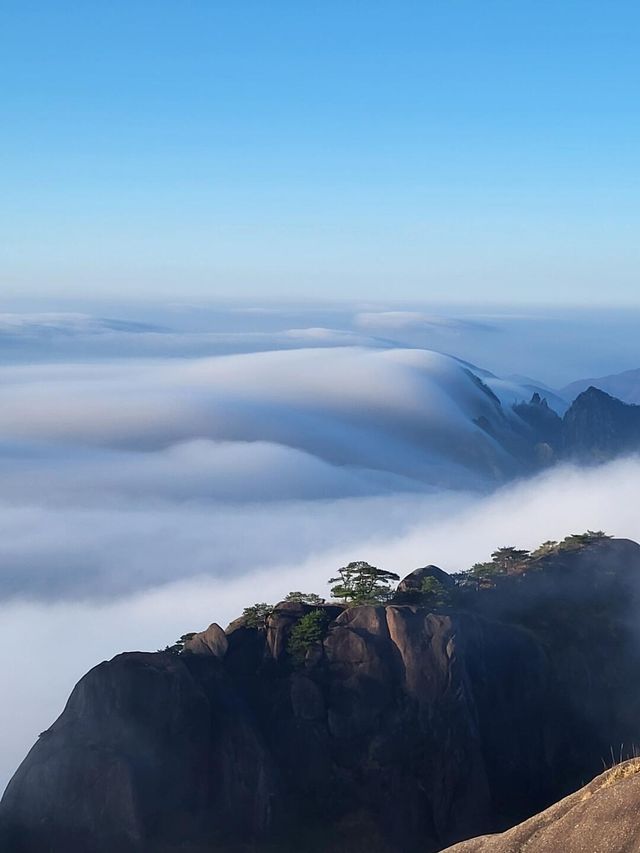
509, 558
178, 647
579, 540
309, 629
547, 547
432, 592
256, 616
305, 598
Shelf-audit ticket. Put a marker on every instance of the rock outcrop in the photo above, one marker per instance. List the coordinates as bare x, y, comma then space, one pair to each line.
598, 427
403, 730
213, 641
599, 818
541, 418
410, 588
595, 428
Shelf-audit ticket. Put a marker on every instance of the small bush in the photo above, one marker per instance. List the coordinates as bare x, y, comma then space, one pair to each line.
309, 629
433, 593
305, 598
510, 559
178, 647
579, 540
547, 547
256, 616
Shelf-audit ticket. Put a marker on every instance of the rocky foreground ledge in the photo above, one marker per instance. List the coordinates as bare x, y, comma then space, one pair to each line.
404, 729
599, 818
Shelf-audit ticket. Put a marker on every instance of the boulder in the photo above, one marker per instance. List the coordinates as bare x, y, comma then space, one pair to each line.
213, 641
150, 750
409, 589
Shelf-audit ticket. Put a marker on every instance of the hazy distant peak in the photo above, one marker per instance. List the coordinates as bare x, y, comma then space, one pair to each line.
625, 386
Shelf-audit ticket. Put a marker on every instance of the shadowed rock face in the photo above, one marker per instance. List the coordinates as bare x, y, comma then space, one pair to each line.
146, 751
595, 428
603, 816
403, 731
598, 427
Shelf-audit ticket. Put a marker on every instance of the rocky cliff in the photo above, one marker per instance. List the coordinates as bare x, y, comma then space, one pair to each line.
401, 730
598, 426
595, 428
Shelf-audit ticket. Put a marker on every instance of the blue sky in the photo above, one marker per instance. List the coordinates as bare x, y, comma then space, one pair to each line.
433, 150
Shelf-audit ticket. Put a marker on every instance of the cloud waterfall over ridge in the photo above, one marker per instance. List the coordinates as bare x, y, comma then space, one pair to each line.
144, 497
118, 476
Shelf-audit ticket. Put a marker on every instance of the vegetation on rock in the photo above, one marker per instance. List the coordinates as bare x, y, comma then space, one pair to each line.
308, 630
534, 656
433, 593
178, 647
509, 558
305, 598
361, 583
256, 616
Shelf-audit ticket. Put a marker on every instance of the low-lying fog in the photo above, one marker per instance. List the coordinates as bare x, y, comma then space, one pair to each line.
161, 473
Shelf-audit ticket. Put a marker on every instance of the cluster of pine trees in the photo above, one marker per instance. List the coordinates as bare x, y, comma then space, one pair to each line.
359, 583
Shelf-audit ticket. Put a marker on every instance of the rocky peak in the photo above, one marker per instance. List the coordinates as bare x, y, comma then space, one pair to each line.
400, 730
544, 423
213, 641
598, 426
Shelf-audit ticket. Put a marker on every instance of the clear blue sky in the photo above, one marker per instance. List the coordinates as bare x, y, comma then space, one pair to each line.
456, 149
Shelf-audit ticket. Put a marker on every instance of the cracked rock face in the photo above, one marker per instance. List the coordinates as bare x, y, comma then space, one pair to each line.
402, 731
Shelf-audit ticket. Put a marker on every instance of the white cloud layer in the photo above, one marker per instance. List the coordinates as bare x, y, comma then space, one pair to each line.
119, 476
45, 647
142, 497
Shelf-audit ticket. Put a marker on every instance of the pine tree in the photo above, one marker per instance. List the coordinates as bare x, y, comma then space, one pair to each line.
361, 583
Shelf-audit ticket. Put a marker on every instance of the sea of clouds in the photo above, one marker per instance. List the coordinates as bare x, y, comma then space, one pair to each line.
156, 479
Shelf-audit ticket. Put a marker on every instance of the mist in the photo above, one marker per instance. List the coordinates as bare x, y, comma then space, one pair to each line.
120, 476
47, 646
165, 469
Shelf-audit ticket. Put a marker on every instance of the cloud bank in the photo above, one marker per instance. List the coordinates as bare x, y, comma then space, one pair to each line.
45, 647
154, 479
119, 476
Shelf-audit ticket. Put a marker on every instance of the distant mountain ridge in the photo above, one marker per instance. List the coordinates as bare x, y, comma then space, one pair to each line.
598, 426
625, 386
595, 428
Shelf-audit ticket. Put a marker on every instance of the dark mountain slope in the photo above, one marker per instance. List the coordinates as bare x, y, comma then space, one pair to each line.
403, 730
598, 426
595, 428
